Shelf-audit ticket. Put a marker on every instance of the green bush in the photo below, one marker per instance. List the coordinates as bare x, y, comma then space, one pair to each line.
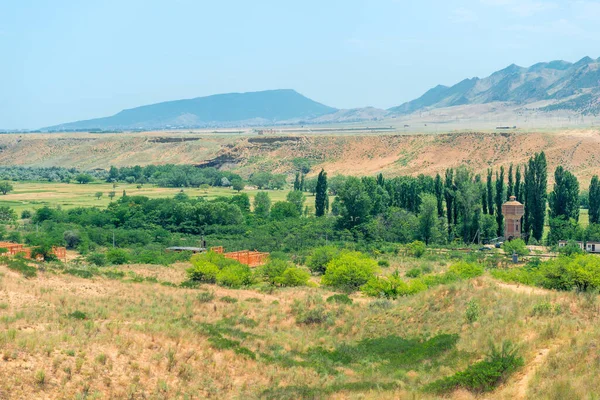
413, 273
483, 376
272, 270
21, 266
203, 271
517, 246
383, 263
340, 299
117, 256
77, 315
392, 287
349, 270
229, 299
235, 276
416, 248
205, 297
466, 270
98, 259
320, 257
293, 276
472, 312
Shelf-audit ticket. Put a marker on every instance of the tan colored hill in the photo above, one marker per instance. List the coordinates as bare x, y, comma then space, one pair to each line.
356, 153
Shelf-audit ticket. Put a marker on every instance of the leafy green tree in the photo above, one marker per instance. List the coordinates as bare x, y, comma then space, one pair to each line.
320, 257
6, 187
72, 238
428, 219
84, 178
98, 195
321, 198
282, 210
297, 198
500, 199
490, 192
439, 195
262, 204
7, 214
510, 189
515, 246
261, 179
536, 180
594, 200
112, 194
518, 183
449, 194
278, 182
564, 199
237, 185
356, 203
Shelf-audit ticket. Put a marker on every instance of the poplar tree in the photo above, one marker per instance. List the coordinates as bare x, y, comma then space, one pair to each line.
564, 199
500, 190
535, 192
518, 183
321, 200
490, 192
510, 189
449, 195
594, 199
439, 195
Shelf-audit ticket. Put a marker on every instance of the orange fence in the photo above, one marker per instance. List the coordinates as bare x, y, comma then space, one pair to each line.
217, 249
17, 248
250, 258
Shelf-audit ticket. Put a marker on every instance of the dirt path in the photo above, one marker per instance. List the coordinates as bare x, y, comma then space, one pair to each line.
523, 288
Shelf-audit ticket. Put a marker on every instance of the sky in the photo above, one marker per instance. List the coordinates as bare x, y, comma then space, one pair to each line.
68, 60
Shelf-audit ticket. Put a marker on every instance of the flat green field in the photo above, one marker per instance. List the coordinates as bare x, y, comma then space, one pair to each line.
34, 195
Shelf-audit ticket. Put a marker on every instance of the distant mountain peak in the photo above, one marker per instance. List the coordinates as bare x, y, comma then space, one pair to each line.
228, 109
553, 81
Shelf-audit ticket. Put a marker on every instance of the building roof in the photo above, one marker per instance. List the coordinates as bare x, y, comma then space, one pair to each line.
513, 202
178, 248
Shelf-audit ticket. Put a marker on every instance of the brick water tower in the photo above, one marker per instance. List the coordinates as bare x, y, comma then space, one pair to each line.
513, 212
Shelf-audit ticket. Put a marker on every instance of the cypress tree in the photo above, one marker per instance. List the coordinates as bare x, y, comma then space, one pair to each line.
536, 181
380, 180
510, 189
500, 200
297, 181
518, 183
439, 195
321, 198
594, 198
490, 192
449, 195
301, 187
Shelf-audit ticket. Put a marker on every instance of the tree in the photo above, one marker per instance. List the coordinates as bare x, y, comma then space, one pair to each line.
594, 200
84, 178
98, 195
439, 195
71, 238
262, 204
297, 184
7, 214
356, 203
510, 189
490, 192
6, 187
112, 194
321, 198
261, 179
237, 185
282, 210
535, 195
500, 200
349, 270
449, 194
297, 198
564, 199
518, 183
428, 218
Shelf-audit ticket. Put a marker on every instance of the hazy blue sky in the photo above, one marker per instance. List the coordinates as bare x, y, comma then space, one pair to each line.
67, 60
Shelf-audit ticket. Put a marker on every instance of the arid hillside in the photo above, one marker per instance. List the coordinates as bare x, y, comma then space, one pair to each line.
339, 153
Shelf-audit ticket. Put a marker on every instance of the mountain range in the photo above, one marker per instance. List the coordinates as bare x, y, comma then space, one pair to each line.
548, 86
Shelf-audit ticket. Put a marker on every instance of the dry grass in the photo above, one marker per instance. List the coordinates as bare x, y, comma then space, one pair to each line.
66, 337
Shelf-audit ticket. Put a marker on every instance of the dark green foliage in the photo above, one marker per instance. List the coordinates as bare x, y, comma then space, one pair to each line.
320, 257
84, 178
483, 376
321, 198
349, 271
355, 202
6, 187
77, 315
518, 184
510, 188
413, 273
117, 256
490, 192
262, 205
229, 299
383, 263
340, 298
205, 297
500, 199
594, 200
439, 195
21, 266
535, 196
564, 199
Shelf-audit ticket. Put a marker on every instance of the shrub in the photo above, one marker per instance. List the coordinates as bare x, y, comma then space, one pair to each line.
311, 310
472, 312
483, 376
320, 257
21, 266
235, 276
78, 315
229, 299
417, 248
293, 276
413, 272
98, 259
203, 271
117, 256
340, 299
383, 263
570, 249
26, 214
205, 297
272, 270
349, 270
466, 270
392, 287
517, 246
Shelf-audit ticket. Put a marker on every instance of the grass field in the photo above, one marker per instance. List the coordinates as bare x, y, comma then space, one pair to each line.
132, 337
34, 195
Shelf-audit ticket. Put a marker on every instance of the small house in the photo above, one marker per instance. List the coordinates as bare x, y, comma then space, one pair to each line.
563, 243
592, 247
